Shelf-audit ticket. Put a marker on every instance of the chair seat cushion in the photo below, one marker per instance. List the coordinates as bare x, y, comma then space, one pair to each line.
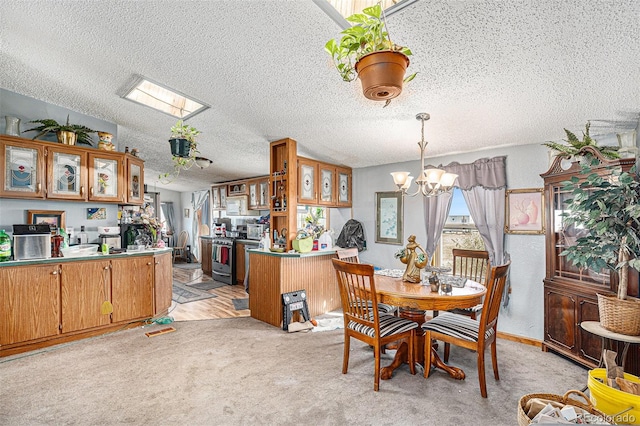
383, 308
389, 325
456, 326
467, 311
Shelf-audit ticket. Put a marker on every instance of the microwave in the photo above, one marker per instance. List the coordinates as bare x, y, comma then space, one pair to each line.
255, 231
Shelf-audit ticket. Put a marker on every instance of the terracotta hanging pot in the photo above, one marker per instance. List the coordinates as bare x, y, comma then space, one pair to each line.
180, 147
381, 74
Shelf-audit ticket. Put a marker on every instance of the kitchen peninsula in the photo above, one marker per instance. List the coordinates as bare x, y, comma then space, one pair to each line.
272, 274
50, 301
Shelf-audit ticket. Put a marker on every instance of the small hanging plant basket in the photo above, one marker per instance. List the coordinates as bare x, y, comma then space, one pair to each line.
382, 74
180, 147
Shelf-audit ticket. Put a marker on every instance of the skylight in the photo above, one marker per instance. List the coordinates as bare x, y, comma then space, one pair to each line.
338, 10
161, 98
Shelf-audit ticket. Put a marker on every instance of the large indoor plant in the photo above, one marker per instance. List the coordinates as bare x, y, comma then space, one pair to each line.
68, 134
365, 50
608, 207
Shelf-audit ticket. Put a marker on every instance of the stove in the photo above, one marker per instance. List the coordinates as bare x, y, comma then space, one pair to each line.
223, 252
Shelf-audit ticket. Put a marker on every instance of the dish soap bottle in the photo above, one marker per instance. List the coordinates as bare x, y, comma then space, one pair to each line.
5, 246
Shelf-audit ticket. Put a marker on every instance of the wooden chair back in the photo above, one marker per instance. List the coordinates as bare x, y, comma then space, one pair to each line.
357, 293
348, 255
471, 264
182, 239
491, 307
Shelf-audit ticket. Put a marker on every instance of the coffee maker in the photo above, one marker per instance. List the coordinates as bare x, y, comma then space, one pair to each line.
110, 236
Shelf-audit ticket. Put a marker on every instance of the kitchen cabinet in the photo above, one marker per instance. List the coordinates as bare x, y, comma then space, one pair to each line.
240, 263
135, 180
323, 184
163, 282
132, 288
344, 187
219, 196
23, 168
283, 202
29, 303
206, 246
307, 181
84, 287
259, 194
106, 175
569, 292
327, 193
67, 175
238, 188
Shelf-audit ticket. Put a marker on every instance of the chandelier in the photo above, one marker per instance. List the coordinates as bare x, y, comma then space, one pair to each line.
431, 182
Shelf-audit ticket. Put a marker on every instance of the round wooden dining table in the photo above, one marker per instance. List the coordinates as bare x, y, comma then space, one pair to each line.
413, 300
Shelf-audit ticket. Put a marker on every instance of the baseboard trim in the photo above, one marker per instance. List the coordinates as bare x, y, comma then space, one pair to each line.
520, 339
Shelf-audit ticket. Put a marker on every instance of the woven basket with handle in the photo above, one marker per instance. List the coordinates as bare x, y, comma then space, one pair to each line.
524, 420
619, 316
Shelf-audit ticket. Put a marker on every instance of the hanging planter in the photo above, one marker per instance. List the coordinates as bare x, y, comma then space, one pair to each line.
382, 74
366, 51
180, 147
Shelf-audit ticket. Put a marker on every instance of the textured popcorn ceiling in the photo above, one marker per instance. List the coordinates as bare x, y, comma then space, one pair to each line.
490, 73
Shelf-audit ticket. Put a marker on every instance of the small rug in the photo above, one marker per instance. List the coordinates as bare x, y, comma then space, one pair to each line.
186, 294
240, 304
209, 285
188, 265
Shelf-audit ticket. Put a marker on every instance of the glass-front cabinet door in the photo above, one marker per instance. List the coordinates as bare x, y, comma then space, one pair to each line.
307, 171
105, 177
66, 173
215, 191
253, 195
263, 194
327, 185
135, 180
344, 187
23, 169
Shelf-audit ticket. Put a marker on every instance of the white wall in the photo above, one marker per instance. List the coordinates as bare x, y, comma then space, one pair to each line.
524, 314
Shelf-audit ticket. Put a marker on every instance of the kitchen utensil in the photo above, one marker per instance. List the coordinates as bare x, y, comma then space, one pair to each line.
106, 308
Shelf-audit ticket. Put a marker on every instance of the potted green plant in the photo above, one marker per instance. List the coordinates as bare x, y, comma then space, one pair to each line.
183, 139
68, 134
608, 207
366, 51
575, 145
184, 150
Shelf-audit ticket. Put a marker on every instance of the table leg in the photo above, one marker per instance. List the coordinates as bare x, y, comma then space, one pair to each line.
402, 354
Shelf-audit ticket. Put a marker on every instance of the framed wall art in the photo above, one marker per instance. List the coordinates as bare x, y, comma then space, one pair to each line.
389, 218
53, 218
524, 211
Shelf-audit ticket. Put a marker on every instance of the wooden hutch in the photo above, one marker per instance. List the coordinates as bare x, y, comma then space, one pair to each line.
570, 293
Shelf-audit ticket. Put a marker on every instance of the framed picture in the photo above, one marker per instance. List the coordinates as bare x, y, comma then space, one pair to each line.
389, 218
524, 211
53, 218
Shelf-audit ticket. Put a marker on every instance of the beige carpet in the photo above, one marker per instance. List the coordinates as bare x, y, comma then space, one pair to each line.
245, 372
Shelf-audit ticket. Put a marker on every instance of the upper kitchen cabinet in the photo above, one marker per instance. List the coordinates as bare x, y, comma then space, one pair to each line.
307, 181
344, 186
327, 195
106, 177
259, 193
219, 196
135, 180
23, 163
238, 188
66, 173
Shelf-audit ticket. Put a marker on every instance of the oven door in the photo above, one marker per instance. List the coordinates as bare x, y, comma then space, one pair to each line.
222, 262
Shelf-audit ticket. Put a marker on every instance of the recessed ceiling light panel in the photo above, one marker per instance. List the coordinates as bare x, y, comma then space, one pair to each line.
159, 97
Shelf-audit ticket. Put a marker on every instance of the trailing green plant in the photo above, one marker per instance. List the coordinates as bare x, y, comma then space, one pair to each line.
608, 207
368, 34
575, 145
182, 130
48, 125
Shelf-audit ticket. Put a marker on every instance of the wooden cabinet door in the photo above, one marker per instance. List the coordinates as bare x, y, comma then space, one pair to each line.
135, 181
215, 197
22, 173
263, 194
29, 302
344, 187
560, 319
223, 197
590, 345
85, 286
327, 182
307, 181
132, 288
106, 175
253, 194
163, 277
66, 173
240, 260
206, 245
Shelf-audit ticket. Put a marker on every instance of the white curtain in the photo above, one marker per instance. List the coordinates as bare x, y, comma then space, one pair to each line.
436, 212
198, 199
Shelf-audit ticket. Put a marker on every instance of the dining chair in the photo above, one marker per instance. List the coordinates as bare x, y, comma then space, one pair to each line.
180, 250
358, 295
468, 333
473, 265
351, 255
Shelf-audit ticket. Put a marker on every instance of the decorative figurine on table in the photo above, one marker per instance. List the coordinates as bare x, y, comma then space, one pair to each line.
414, 260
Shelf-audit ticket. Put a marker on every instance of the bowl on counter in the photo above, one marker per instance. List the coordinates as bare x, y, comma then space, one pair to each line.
109, 230
80, 250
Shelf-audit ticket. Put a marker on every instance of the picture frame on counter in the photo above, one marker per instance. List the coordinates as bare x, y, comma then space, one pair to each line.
389, 217
53, 218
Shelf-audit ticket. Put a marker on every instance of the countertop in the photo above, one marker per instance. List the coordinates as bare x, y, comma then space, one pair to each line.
237, 240
93, 256
309, 254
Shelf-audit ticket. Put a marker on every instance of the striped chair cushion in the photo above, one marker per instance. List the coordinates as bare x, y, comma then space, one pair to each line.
383, 308
457, 326
388, 325
475, 309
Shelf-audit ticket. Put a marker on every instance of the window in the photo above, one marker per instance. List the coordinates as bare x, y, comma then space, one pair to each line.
459, 231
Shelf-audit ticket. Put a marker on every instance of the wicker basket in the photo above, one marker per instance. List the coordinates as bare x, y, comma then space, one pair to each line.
619, 316
524, 420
